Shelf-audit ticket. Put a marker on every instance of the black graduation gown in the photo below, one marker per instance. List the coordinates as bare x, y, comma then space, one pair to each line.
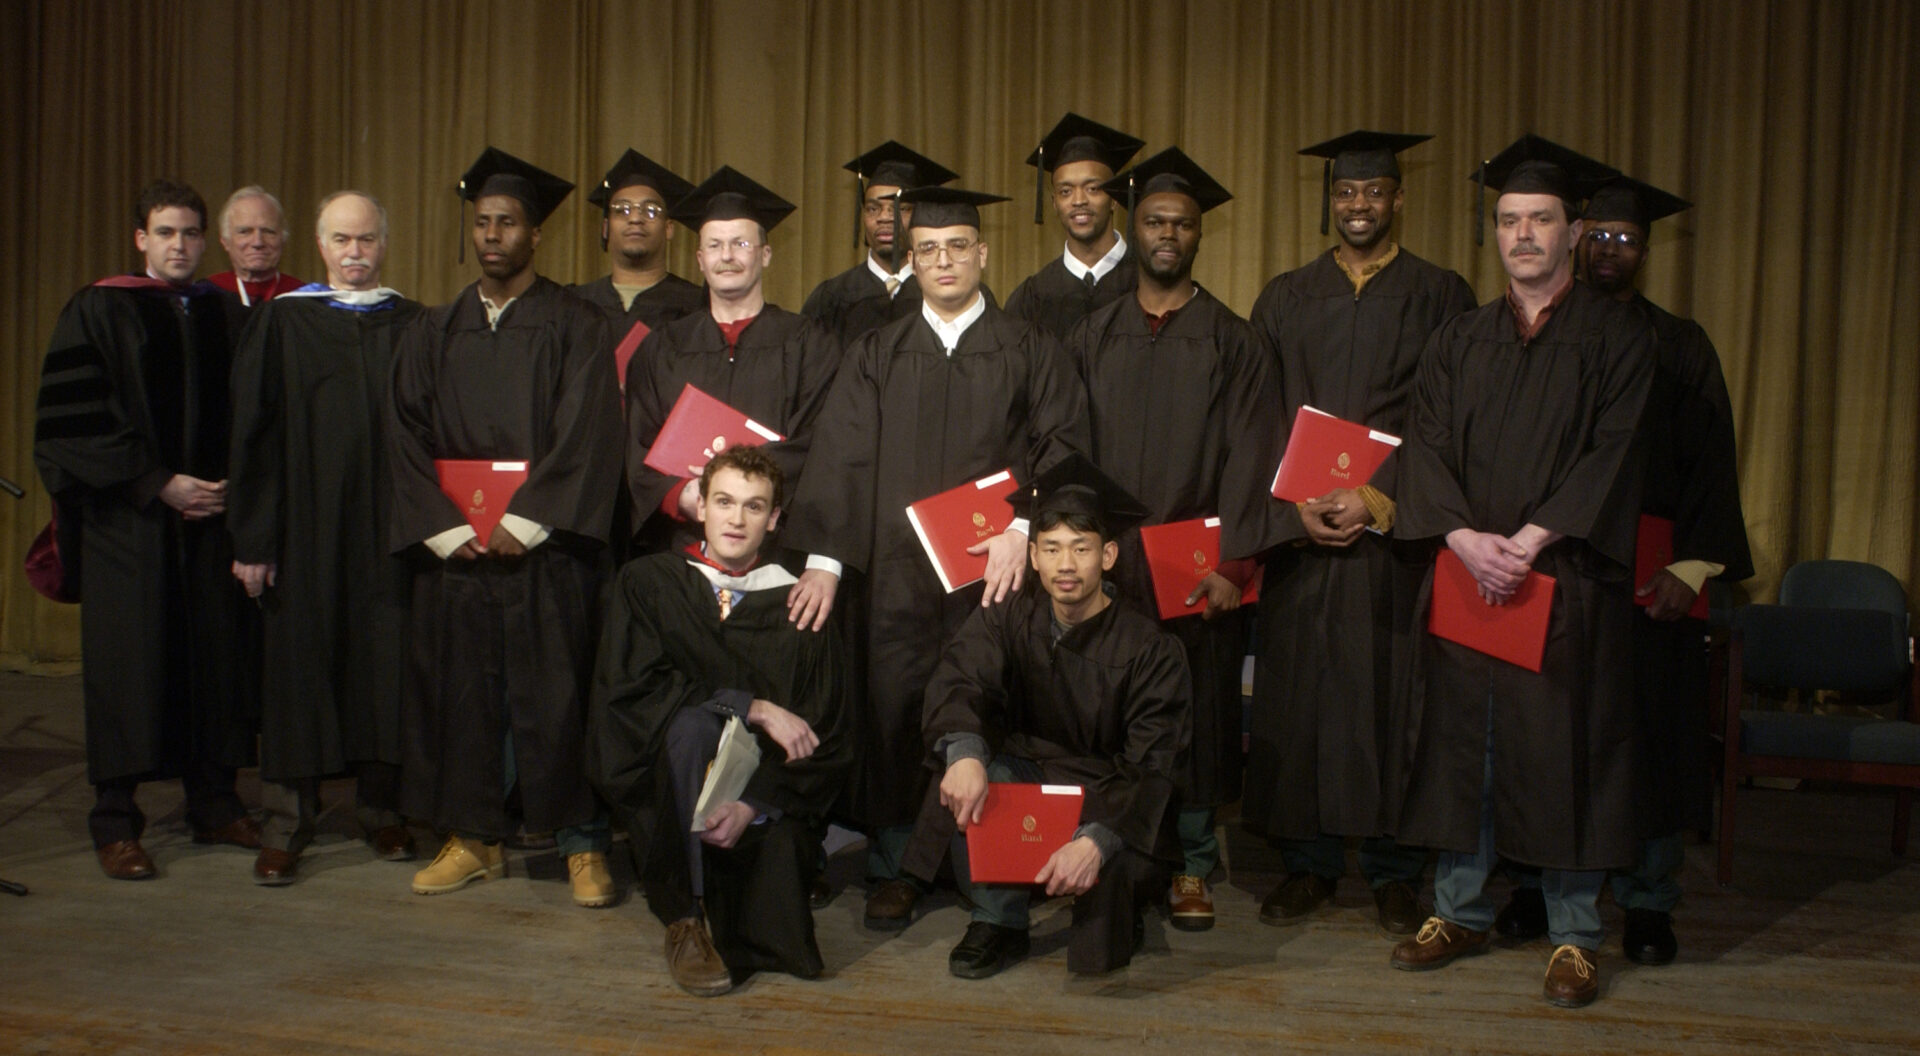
1333, 620
904, 421
1692, 480
498, 647
856, 301
1503, 434
310, 493
134, 390
1053, 300
656, 306
1107, 708
665, 648
1175, 421
777, 375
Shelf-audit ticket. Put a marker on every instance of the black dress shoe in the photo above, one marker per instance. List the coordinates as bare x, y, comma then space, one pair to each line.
987, 949
1524, 917
819, 893
1648, 938
1399, 907
1299, 895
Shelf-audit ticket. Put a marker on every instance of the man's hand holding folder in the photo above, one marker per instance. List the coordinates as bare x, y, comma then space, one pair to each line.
1072, 869
1500, 563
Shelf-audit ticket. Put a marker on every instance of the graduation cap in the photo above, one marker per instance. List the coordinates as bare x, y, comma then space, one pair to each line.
727, 195
1074, 486
1359, 155
636, 169
892, 165
1169, 171
1077, 138
1625, 198
498, 172
946, 206
1533, 165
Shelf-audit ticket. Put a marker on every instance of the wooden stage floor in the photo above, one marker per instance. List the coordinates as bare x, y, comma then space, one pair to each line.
1816, 949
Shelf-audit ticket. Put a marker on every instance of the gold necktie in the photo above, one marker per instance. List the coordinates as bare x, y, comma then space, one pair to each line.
893, 285
726, 601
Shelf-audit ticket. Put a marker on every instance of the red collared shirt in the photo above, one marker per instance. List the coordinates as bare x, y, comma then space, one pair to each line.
1529, 332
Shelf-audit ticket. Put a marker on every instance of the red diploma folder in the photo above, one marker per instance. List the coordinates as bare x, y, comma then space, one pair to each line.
965, 516
623, 352
1179, 556
480, 488
1020, 829
1324, 453
1515, 632
1653, 552
698, 428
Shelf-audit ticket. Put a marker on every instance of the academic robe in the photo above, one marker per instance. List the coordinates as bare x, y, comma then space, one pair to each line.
656, 306
1176, 418
496, 647
856, 301
902, 422
310, 492
665, 648
133, 391
1053, 300
1692, 480
257, 293
1106, 708
1504, 433
1333, 621
777, 375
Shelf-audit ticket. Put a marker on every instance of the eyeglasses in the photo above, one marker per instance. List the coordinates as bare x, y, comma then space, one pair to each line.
1623, 239
738, 245
1373, 192
651, 210
955, 248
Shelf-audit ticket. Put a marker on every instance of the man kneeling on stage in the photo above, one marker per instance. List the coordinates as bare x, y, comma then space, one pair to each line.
1066, 687
694, 639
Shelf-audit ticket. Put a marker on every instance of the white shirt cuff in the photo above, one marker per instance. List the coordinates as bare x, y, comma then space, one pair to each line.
1020, 525
825, 564
528, 532
444, 544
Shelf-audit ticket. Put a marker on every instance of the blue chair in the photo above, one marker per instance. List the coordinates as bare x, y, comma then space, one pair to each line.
1839, 625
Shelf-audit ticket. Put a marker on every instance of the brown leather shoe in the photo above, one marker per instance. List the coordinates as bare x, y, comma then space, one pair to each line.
274, 868
1399, 907
1436, 946
124, 860
695, 964
1189, 904
393, 843
242, 831
1299, 895
1573, 977
819, 892
890, 906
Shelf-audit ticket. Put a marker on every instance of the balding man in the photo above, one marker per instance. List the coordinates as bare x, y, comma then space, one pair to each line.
253, 231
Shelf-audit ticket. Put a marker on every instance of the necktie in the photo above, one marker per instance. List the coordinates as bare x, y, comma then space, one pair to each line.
893, 285
725, 597
1091, 280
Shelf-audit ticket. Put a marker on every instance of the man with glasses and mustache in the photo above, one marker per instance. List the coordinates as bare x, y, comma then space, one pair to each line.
1178, 392
1520, 457
253, 231
1345, 332
636, 232
919, 406
308, 509
769, 364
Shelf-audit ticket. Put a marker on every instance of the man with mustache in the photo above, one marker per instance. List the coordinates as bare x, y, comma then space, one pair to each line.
758, 358
309, 504
881, 288
1693, 483
1071, 165
1177, 393
253, 231
131, 439
1345, 332
1520, 457
500, 646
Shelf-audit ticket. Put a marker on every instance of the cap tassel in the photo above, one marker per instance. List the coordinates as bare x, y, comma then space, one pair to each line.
463, 221
1039, 183
1326, 194
1480, 205
899, 233
859, 210
1131, 196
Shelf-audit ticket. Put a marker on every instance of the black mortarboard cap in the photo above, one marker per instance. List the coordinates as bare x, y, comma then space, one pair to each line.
1533, 165
892, 165
498, 172
1626, 198
1359, 155
1169, 170
636, 168
946, 206
1075, 485
1077, 138
727, 195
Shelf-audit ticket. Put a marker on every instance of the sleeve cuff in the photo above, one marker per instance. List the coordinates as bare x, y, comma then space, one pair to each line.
823, 563
733, 703
528, 532
1104, 838
1379, 507
444, 544
1020, 524
957, 746
670, 506
1695, 573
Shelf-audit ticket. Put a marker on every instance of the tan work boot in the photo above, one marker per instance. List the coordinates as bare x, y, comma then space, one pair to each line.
459, 863
592, 883
695, 964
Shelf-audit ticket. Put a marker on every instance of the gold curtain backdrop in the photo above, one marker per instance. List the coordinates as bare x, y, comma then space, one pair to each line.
1791, 125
